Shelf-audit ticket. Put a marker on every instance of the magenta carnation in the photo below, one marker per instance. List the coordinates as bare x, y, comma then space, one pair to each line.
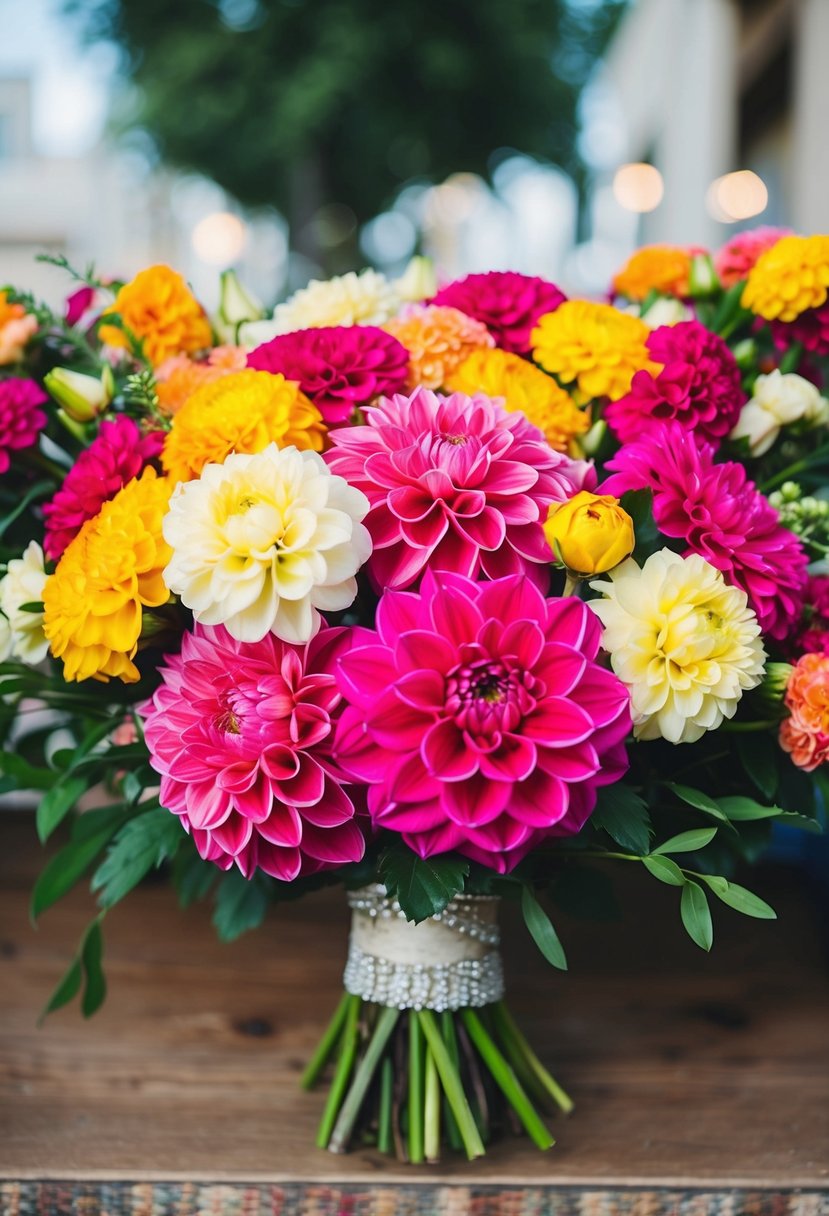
241, 734
509, 304
21, 419
78, 303
480, 718
338, 367
737, 257
698, 386
455, 483
720, 514
116, 455
810, 329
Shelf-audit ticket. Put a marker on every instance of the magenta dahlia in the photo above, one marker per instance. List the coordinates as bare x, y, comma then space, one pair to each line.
480, 719
117, 454
810, 329
720, 514
21, 419
339, 367
509, 304
455, 483
241, 733
698, 386
813, 636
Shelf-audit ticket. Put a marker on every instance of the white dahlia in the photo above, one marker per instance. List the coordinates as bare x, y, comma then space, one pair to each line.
23, 584
367, 298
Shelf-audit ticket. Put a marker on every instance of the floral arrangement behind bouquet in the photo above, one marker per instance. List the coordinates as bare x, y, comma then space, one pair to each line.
446, 594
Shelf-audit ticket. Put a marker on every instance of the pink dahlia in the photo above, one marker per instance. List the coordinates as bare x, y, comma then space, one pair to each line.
480, 718
339, 367
21, 419
698, 386
241, 733
736, 257
116, 455
721, 515
814, 631
509, 304
455, 483
810, 329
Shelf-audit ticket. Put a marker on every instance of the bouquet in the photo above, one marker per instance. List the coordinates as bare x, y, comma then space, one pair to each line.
449, 594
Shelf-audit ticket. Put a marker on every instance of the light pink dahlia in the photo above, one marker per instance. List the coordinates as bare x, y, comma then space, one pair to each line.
508, 303
241, 734
117, 454
339, 367
699, 386
736, 257
720, 514
455, 483
480, 718
21, 419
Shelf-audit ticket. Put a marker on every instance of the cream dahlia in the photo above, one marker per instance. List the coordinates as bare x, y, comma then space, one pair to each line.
23, 584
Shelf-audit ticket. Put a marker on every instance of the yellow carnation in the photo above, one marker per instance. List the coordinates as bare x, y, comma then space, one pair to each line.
158, 307
438, 340
662, 268
789, 278
593, 345
107, 574
497, 373
241, 412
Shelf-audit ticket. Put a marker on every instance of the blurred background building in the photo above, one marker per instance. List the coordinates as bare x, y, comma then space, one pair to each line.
289, 138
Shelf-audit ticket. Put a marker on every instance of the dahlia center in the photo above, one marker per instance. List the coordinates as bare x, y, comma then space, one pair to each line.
457, 440
487, 696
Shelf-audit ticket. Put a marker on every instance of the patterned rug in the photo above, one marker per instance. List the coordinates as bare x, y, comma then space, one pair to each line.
298, 1199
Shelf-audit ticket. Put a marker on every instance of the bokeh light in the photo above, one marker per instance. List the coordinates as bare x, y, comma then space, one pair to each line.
736, 196
638, 187
219, 239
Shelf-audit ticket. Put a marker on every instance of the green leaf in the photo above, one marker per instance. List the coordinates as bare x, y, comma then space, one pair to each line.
95, 987
422, 886
541, 930
624, 816
696, 915
739, 898
26, 775
687, 842
192, 877
795, 820
665, 870
760, 763
66, 991
142, 843
241, 904
39, 490
639, 506
66, 868
738, 807
56, 804
698, 800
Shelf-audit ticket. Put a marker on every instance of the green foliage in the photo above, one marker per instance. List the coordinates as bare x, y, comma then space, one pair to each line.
687, 842
665, 870
91, 833
86, 968
142, 844
696, 915
541, 929
241, 904
624, 816
422, 886
639, 506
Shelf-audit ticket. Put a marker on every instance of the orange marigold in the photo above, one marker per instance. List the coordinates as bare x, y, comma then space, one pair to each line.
594, 346
789, 278
241, 412
112, 570
158, 307
497, 373
16, 328
662, 268
179, 377
438, 339
805, 734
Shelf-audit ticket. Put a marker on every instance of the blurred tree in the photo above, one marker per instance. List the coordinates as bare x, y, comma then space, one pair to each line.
300, 103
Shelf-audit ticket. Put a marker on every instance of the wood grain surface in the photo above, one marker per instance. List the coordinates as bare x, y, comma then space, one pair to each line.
686, 1069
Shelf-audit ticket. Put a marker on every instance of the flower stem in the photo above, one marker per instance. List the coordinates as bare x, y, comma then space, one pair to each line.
345, 1063
799, 466
452, 1086
505, 1079
384, 1133
505, 1022
326, 1045
571, 584
415, 1090
431, 1110
447, 1026
383, 1027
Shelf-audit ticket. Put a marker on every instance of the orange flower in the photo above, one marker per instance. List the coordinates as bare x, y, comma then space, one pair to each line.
179, 377
805, 735
662, 268
158, 308
438, 340
16, 328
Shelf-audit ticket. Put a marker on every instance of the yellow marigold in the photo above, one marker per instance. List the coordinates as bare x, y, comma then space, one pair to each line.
593, 345
158, 307
662, 268
107, 574
180, 376
789, 278
439, 339
241, 412
498, 373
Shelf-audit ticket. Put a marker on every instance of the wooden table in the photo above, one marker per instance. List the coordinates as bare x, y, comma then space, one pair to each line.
688, 1071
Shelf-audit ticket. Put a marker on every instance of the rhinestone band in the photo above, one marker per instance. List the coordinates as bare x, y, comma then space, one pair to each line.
446, 962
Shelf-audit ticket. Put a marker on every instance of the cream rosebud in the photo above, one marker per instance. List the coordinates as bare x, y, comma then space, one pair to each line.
702, 281
418, 281
590, 533
81, 397
236, 306
666, 310
779, 400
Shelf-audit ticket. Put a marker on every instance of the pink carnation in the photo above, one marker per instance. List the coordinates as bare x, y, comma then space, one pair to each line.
509, 304
339, 367
737, 256
721, 515
810, 329
480, 718
241, 734
699, 386
116, 455
454, 483
21, 419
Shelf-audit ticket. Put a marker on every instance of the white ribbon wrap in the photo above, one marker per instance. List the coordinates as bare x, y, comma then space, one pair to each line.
450, 961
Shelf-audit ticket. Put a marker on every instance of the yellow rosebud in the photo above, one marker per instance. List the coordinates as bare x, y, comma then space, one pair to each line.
590, 533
